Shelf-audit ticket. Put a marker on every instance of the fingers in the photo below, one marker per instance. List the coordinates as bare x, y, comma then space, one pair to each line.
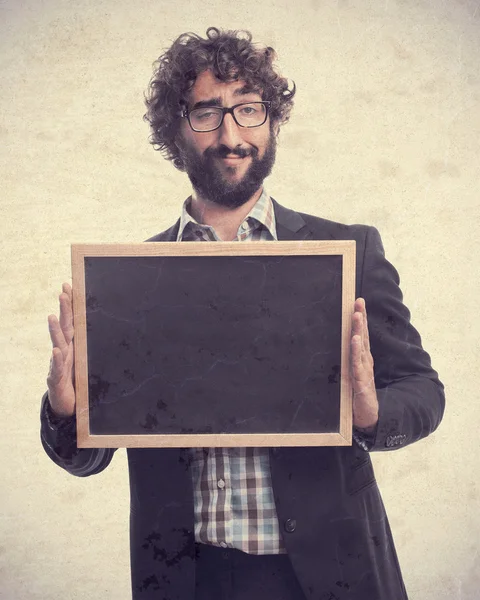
361, 358
365, 401
357, 346
356, 357
66, 312
360, 307
61, 387
359, 372
362, 376
56, 368
56, 334
61, 330
67, 289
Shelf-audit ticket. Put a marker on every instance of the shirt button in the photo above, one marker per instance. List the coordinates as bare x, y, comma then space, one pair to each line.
290, 525
223, 544
221, 484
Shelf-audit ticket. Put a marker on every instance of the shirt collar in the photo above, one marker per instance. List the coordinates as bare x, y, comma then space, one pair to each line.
262, 212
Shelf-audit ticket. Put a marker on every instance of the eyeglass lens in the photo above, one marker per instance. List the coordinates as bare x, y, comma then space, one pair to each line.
252, 114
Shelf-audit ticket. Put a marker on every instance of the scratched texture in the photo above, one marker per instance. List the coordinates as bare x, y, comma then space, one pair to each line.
386, 131
213, 344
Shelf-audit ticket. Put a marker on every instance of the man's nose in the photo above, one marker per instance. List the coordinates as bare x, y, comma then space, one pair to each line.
229, 133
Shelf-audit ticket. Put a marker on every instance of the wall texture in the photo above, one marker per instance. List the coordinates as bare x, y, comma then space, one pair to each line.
386, 131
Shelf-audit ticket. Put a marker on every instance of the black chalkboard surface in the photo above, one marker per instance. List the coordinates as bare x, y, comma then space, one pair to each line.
224, 349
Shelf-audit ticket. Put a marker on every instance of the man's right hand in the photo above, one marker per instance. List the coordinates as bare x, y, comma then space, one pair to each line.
60, 380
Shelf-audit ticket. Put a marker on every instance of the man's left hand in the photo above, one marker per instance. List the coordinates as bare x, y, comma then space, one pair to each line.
365, 402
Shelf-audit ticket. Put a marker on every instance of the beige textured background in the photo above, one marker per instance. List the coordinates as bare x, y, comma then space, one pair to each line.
386, 131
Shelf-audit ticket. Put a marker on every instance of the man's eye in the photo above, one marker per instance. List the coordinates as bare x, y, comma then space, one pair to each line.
248, 110
205, 115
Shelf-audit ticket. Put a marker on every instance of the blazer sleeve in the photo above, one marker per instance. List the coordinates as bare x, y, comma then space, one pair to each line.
410, 395
59, 440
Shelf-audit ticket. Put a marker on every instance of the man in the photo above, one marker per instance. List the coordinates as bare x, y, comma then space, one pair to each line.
280, 523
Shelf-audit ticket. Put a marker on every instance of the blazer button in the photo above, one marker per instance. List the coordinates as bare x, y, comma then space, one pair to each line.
290, 525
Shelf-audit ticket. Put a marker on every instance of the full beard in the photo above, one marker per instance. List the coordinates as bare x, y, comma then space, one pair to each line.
209, 183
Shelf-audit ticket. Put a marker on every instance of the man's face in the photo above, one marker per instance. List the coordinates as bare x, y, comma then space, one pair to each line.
226, 166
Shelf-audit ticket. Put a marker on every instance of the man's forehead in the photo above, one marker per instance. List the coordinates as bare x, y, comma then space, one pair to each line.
207, 86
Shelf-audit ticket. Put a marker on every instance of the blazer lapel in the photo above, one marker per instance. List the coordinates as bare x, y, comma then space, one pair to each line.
290, 224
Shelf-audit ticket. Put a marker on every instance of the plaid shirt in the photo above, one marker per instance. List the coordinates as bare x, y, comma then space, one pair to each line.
233, 495
259, 224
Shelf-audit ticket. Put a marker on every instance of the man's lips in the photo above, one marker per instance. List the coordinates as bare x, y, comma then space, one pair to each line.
232, 159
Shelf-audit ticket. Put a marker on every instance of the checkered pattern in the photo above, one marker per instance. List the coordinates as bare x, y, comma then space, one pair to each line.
233, 495
258, 225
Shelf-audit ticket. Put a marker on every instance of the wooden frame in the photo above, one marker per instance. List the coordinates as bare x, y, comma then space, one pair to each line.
90, 312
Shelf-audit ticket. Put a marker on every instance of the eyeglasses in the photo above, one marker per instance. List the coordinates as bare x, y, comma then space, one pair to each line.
209, 118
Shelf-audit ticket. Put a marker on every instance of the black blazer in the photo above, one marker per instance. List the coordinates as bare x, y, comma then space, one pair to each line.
329, 507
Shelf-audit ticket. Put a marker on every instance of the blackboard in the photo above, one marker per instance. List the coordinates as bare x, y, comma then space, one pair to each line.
222, 344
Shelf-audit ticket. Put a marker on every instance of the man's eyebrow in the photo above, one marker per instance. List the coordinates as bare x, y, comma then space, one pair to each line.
209, 102
243, 91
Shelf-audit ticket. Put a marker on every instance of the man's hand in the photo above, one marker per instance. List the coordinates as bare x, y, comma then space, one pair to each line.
365, 403
61, 390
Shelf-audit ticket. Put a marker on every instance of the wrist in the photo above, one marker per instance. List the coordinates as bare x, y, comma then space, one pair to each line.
55, 416
367, 429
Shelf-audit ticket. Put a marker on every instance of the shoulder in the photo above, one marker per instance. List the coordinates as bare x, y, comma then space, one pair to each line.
340, 230
324, 228
169, 235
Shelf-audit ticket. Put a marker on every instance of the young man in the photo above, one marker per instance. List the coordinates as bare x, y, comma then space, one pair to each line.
281, 523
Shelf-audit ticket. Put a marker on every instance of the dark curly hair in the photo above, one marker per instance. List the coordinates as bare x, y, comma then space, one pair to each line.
231, 56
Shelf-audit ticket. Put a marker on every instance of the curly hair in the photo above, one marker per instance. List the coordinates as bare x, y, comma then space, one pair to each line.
231, 56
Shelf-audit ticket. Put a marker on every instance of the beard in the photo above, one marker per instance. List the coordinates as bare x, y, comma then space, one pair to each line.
208, 181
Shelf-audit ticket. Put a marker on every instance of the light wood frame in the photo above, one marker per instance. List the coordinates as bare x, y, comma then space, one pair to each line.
85, 439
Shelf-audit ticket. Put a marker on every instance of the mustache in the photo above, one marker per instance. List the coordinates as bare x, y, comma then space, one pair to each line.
224, 151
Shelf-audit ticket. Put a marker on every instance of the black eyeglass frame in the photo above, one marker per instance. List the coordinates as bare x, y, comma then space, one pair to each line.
225, 111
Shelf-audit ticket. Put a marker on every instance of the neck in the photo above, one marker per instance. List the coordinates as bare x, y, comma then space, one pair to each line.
224, 220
